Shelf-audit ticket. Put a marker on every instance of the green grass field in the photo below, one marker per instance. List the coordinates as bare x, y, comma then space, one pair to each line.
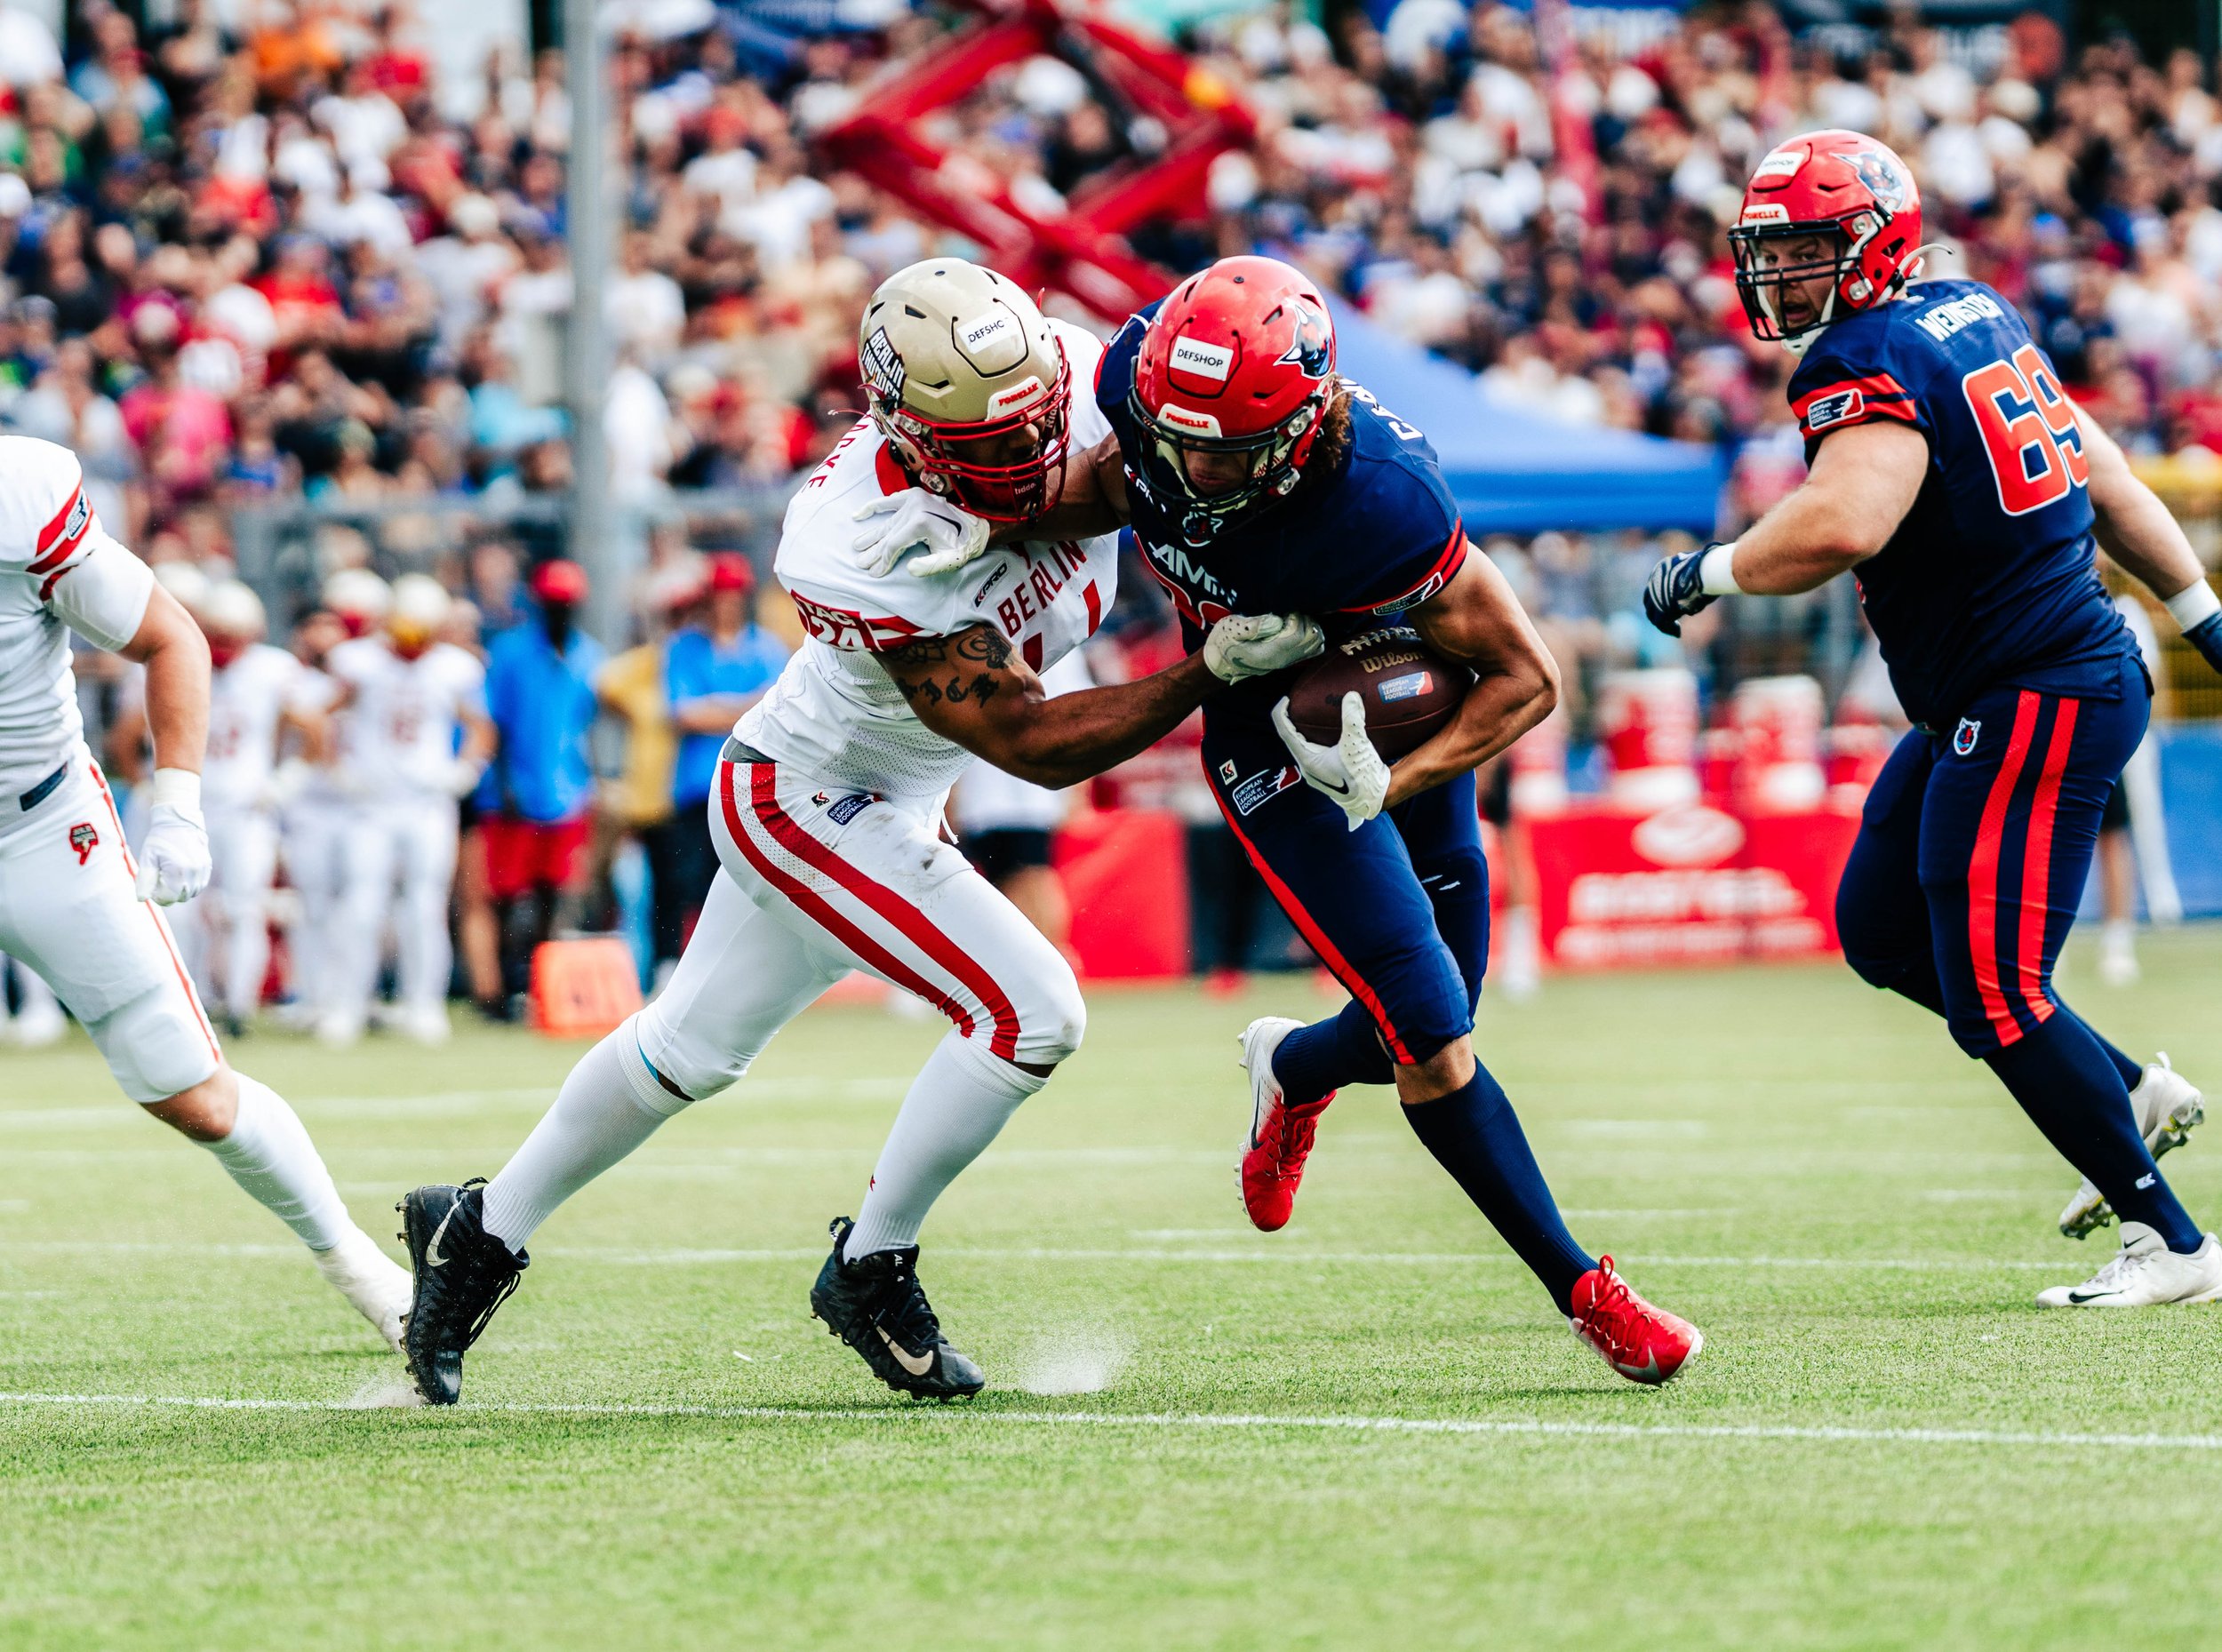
1367, 1431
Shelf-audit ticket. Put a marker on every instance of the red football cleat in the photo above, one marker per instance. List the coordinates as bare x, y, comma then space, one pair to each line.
1645, 1345
1280, 1136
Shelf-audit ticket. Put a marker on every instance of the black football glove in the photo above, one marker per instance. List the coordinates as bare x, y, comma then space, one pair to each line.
1673, 593
2206, 636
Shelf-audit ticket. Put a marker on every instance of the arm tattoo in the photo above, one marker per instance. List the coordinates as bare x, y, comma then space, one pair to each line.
924, 650
985, 646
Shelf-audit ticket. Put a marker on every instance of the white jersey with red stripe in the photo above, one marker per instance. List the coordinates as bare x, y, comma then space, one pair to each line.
58, 568
834, 712
398, 739
246, 701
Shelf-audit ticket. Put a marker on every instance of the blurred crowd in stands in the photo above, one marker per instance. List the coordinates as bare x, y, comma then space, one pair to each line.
289, 259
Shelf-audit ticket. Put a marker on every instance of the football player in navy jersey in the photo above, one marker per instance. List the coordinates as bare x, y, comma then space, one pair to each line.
1252, 472
1949, 469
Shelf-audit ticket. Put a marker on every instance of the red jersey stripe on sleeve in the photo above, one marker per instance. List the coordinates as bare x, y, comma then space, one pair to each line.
1445, 570
64, 534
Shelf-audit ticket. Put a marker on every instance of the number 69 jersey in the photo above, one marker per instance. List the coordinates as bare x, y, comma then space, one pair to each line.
1989, 581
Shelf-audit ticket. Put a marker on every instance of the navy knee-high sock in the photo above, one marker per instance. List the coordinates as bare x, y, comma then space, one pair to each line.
1344, 1049
2071, 1089
2132, 1072
1474, 1134
1919, 983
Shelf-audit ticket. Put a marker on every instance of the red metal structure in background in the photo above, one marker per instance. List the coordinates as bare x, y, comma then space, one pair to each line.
1080, 251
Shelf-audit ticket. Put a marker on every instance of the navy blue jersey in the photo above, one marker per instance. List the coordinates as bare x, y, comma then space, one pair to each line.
1989, 581
1353, 546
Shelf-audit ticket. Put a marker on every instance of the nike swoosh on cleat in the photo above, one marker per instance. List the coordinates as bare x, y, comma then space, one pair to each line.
2080, 1298
916, 1364
432, 1257
1649, 1368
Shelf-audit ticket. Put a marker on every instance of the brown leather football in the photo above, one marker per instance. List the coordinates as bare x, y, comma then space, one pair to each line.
1408, 689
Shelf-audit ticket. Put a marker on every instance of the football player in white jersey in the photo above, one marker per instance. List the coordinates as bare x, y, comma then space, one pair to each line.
258, 697
417, 740
355, 604
827, 813
75, 903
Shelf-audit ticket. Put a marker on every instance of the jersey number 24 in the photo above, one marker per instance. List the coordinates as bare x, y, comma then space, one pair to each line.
2029, 430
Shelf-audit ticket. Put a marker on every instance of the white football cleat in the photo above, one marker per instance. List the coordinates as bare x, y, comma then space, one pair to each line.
2144, 1274
339, 1029
374, 1284
428, 1025
2169, 1108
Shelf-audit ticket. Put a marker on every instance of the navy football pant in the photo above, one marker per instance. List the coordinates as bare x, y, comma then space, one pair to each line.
1399, 911
1971, 860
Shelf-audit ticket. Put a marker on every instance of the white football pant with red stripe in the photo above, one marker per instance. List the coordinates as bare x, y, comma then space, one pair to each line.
824, 879
68, 909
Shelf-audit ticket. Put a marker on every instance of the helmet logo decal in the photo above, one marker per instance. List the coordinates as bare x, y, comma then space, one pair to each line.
982, 329
1181, 418
883, 368
1882, 179
1018, 395
1312, 349
1202, 360
1781, 163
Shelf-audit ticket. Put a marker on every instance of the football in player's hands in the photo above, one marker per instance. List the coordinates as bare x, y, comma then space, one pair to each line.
1406, 690
943, 535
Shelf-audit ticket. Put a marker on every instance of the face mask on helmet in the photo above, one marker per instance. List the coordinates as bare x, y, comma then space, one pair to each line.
1216, 478
1009, 466
1775, 261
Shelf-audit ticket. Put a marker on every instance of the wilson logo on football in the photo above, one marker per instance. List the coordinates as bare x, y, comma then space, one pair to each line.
1690, 836
1201, 360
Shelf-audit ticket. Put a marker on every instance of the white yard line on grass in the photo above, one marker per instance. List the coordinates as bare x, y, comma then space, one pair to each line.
692, 1256
1204, 1420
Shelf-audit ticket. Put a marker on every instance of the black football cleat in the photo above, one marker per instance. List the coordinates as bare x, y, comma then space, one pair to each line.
876, 1305
462, 1274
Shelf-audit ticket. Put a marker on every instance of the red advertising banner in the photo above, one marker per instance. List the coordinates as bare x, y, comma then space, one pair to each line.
1687, 884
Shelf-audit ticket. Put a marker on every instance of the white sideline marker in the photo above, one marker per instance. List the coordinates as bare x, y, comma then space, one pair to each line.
1206, 1420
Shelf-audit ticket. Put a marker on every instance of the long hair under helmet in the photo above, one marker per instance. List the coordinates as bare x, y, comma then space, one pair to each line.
1240, 360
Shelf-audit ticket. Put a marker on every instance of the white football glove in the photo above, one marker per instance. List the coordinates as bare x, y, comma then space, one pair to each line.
1350, 770
1258, 645
947, 536
173, 860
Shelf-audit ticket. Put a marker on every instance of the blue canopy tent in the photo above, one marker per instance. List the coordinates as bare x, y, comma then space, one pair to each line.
1515, 471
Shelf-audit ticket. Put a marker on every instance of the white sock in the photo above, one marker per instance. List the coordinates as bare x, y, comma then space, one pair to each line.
961, 1099
268, 1153
609, 1106
2118, 935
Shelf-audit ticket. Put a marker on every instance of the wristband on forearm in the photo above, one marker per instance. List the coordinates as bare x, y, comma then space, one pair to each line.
2194, 605
180, 788
1716, 574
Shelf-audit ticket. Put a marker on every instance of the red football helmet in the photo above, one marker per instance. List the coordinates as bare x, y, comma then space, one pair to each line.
1236, 370
1854, 194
